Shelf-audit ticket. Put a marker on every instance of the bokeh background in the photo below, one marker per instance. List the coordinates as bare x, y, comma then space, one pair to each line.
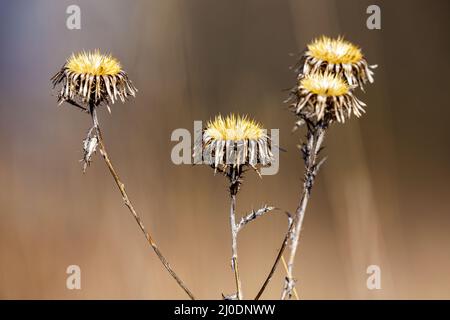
382, 198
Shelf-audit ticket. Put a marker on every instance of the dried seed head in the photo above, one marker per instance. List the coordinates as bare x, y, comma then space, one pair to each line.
336, 51
93, 63
325, 96
234, 128
338, 56
325, 84
93, 77
235, 141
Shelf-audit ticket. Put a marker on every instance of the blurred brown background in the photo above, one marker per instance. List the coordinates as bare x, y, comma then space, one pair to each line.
382, 198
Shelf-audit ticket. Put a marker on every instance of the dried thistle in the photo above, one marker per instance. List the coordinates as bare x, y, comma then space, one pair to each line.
236, 142
92, 77
230, 145
327, 74
88, 80
325, 96
336, 56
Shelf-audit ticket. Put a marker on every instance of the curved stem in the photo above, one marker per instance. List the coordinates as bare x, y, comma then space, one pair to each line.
130, 206
277, 260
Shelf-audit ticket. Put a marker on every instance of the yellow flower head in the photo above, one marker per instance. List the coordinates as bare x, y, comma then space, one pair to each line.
324, 84
93, 63
336, 56
234, 128
232, 142
325, 96
92, 78
327, 73
335, 51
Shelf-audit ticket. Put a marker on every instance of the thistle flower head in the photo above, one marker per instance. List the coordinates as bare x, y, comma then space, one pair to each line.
234, 128
338, 56
336, 51
325, 96
325, 84
93, 63
235, 141
92, 78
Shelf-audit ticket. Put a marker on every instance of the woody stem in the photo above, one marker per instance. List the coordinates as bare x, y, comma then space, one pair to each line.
129, 204
234, 188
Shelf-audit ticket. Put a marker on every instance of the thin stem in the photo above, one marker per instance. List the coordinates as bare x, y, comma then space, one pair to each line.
234, 174
287, 272
310, 151
74, 103
277, 260
130, 206
234, 253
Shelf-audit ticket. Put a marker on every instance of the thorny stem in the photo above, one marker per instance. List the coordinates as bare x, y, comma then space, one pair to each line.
234, 188
310, 150
130, 206
253, 216
287, 272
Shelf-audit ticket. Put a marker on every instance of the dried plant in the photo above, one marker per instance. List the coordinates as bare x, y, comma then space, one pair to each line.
325, 96
230, 146
337, 56
89, 80
327, 74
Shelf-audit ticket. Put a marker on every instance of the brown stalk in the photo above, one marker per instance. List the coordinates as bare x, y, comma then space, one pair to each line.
277, 260
287, 272
130, 206
234, 188
310, 150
